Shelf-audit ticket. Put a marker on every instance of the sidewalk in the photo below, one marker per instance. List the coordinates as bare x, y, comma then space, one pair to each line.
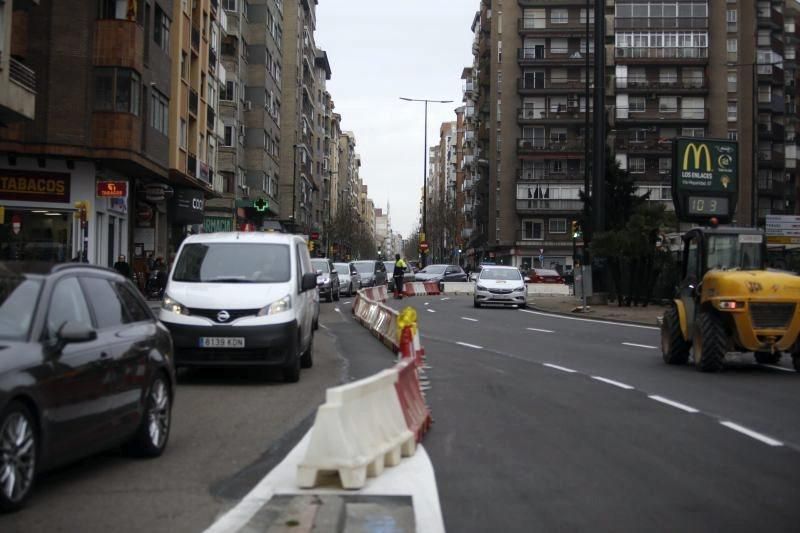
566, 304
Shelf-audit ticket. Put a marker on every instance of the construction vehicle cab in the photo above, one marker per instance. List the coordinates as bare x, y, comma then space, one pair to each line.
727, 302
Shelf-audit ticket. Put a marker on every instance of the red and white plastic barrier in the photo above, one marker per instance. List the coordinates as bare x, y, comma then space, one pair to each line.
422, 288
360, 429
409, 391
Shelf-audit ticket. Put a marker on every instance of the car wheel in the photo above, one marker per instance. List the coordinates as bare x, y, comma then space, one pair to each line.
18, 448
337, 294
291, 372
523, 305
350, 290
151, 438
307, 359
329, 297
768, 358
709, 343
674, 348
796, 361
476, 304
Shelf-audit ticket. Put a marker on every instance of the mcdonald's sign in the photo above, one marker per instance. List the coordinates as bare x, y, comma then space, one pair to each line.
705, 178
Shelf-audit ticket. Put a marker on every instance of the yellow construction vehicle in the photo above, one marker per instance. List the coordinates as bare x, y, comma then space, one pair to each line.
728, 301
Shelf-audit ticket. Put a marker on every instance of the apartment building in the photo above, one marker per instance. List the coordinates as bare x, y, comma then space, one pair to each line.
102, 139
675, 68
321, 126
298, 177
334, 129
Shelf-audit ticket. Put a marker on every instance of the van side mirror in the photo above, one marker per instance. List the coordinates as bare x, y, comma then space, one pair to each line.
308, 282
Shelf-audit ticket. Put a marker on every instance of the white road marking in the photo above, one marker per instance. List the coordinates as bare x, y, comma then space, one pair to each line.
667, 401
589, 320
469, 319
348, 302
639, 345
612, 382
323, 326
541, 330
561, 368
752, 434
426, 303
445, 299
474, 346
338, 310
776, 367
430, 310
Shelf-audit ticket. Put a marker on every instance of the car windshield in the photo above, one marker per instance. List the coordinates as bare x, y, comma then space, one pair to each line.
727, 252
365, 267
502, 274
18, 297
434, 269
320, 265
233, 263
342, 268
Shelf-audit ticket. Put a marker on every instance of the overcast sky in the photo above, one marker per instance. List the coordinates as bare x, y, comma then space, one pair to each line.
380, 50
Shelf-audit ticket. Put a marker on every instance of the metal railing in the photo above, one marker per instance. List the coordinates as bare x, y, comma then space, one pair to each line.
566, 113
661, 23
540, 145
549, 205
688, 52
22, 75
552, 83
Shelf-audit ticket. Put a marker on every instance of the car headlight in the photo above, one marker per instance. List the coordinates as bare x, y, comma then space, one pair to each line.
279, 306
482, 288
520, 289
173, 306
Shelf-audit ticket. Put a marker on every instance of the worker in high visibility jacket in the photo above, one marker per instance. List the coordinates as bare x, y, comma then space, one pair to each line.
399, 269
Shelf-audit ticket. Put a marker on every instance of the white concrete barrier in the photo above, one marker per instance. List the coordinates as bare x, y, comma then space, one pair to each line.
556, 289
360, 429
459, 288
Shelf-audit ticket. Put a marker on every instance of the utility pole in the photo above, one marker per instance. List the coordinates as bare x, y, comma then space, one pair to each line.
425, 171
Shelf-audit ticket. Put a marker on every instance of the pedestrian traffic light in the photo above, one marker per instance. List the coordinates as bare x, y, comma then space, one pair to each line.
576, 229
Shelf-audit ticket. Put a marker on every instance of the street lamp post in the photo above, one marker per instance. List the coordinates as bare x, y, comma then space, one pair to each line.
425, 168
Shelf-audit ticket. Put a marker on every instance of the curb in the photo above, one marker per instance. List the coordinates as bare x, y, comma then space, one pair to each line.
597, 318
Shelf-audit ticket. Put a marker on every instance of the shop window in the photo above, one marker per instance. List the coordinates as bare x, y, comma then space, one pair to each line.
117, 89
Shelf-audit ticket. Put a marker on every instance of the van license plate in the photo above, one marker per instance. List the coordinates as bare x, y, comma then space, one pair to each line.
221, 342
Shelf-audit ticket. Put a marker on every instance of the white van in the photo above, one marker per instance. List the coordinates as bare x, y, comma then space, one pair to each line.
242, 299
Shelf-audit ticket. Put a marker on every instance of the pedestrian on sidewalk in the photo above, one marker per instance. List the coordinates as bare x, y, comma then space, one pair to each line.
399, 269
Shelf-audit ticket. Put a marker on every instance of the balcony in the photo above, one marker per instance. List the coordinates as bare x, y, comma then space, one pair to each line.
468, 209
541, 56
772, 132
469, 137
552, 86
662, 87
541, 3
564, 115
544, 148
469, 112
195, 39
572, 172
193, 102
469, 88
651, 117
468, 161
772, 19
771, 159
689, 55
118, 43
551, 206
212, 60
772, 74
543, 26
659, 23
648, 145
18, 100
467, 184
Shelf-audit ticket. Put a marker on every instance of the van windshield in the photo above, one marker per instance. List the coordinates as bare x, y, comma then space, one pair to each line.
233, 263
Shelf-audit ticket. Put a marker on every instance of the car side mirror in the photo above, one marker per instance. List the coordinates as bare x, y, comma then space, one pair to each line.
308, 282
319, 272
71, 333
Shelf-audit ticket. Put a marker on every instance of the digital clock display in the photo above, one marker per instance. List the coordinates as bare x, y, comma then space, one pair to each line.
708, 205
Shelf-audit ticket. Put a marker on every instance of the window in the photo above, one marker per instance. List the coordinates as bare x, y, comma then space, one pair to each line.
228, 140
732, 81
636, 165
532, 230
184, 66
733, 49
733, 135
730, 18
559, 16
161, 30
733, 112
636, 104
229, 93
183, 134
664, 165
668, 104
693, 132
134, 310
107, 306
67, 304
117, 89
159, 112
583, 16
229, 5
116, 9
558, 225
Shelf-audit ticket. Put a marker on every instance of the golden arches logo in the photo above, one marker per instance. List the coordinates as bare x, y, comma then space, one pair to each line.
698, 152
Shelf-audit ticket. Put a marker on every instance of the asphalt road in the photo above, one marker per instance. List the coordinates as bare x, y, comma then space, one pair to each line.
542, 423
547, 424
229, 429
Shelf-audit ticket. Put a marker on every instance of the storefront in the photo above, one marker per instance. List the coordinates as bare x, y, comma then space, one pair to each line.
39, 221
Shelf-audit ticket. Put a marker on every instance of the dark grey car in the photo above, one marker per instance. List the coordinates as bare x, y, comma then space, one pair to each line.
327, 279
373, 273
85, 366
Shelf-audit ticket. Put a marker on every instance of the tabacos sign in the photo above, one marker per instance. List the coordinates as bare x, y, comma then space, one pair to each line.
34, 186
705, 181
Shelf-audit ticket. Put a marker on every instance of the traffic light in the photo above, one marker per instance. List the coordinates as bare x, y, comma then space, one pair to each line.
310, 246
576, 229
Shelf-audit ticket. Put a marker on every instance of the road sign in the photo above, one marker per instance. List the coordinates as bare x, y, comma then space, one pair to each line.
423, 246
314, 235
783, 226
705, 179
